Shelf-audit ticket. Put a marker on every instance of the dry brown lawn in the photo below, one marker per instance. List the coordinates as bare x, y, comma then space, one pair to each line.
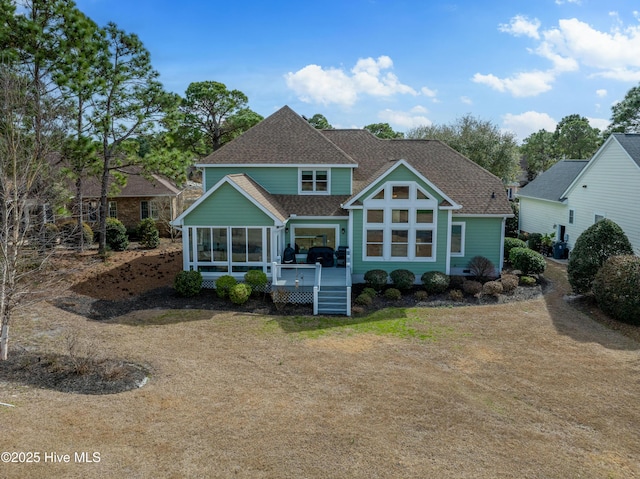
533, 389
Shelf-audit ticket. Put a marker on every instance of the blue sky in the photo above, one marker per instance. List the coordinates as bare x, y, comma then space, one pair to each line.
520, 64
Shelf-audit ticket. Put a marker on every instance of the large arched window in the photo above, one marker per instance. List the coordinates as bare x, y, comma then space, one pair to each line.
400, 223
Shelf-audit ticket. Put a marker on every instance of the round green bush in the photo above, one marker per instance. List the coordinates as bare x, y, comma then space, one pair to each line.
239, 294
363, 299
616, 288
593, 247
393, 294
376, 279
188, 283
527, 281
256, 278
402, 279
510, 243
535, 241
527, 261
116, 237
435, 282
370, 292
148, 233
224, 285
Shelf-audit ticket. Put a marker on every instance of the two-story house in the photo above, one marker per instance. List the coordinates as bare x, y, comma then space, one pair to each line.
393, 204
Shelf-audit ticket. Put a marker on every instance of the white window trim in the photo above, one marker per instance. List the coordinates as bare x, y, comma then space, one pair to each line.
265, 263
334, 227
151, 206
596, 214
412, 204
314, 192
572, 216
462, 239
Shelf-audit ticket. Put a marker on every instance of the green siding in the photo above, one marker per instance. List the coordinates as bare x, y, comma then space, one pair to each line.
276, 180
227, 207
482, 238
280, 180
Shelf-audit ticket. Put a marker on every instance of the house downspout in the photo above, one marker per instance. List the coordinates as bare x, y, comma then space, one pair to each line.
502, 236
448, 263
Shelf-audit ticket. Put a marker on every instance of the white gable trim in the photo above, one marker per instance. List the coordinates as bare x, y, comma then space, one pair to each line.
179, 221
349, 204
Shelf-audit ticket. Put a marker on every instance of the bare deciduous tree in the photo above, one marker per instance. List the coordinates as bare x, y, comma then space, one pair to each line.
25, 193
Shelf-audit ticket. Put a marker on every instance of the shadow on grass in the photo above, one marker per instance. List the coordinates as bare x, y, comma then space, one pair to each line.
296, 324
581, 319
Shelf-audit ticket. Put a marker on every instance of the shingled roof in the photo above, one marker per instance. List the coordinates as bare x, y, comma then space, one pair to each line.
553, 183
631, 143
138, 185
284, 138
462, 180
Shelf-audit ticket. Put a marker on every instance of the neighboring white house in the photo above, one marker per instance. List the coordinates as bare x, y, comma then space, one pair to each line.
574, 194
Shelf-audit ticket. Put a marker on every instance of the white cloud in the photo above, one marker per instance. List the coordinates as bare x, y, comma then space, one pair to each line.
601, 92
405, 120
316, 84
570, 46
600, 123
521, 85
466, 100
428, 92
520, 25
527, 123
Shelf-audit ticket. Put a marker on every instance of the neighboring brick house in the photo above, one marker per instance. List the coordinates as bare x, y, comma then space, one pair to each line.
142, 197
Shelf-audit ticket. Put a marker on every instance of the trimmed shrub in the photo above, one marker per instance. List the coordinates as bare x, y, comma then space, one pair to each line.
256, 279
510, 243
224, 285
116, 237
370, 292
616, 287
509, 282
148, 233
393, 294
527, 281
482, 268
456, 295
472, 288
376, 279
363, 299
435, 282
535, 242
593, 247
188, 283
239, 294
492, 288
421, 295
527, 261
402, 279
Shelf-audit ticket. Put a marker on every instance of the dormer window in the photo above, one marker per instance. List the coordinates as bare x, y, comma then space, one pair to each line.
314, 182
